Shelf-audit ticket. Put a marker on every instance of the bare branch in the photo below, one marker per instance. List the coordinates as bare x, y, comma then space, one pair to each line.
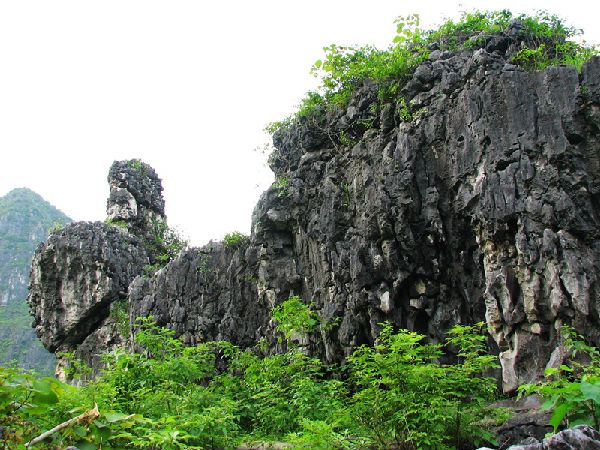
90, 416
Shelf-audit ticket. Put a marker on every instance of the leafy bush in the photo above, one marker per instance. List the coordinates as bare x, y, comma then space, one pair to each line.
572, 391
216, 395
25, 401
294, 316
404, 396
165, 243
343, 69
234, 239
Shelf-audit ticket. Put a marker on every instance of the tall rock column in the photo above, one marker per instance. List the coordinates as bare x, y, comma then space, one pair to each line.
135, 199
80, 276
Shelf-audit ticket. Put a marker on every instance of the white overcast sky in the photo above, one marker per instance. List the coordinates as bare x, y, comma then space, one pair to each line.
187, 86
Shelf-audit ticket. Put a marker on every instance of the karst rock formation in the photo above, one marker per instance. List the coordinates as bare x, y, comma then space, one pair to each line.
482, 207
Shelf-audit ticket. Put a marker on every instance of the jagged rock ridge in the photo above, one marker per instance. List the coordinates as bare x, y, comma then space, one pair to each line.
482, 207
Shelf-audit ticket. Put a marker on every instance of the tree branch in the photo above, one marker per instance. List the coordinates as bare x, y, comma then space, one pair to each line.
90, 415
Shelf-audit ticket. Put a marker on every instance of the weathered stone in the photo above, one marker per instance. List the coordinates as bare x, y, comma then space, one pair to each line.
581, 437
76, 275
135, 198
528, 422
483, 207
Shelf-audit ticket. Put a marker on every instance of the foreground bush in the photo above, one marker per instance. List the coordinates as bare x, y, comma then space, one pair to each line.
216, 395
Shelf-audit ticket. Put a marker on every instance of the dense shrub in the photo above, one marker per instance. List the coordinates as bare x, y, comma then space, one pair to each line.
234, 239
216, 395
547, 39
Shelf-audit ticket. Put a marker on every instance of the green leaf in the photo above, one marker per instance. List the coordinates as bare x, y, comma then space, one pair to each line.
116, 417
590, 391
43, 392
559, 414
80, 431
83, 445
581, 421
101, 434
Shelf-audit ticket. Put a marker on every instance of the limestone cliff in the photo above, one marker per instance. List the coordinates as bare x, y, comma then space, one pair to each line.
481, 205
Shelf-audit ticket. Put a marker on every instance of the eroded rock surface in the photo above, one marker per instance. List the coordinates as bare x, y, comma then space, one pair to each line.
75, 277
84, 268
581, 437
135, 199
481, 207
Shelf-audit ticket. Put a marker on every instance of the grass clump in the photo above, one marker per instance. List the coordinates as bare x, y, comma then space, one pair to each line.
120, 223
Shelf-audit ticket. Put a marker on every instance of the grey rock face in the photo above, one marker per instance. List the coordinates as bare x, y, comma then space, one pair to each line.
577, 438
83, 269
528, 421
76, 275
135, 197
200, 297
226, 293
482, 207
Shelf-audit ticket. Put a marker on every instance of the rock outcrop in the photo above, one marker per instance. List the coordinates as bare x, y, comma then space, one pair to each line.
576, 438
474, 200
75, 277
483, 207
85, 267
135, 198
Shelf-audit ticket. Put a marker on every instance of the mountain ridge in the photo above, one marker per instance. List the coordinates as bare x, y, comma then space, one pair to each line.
25, 218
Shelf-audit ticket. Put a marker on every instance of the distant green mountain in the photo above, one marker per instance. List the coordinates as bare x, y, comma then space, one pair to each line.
25, 218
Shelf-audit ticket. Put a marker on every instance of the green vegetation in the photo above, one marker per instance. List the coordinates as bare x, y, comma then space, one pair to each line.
294, 316
164, 244
56, 226
119, 312
215, 395
123, 224
18, 344
548, 40
281, 184
345, 140
234, 239
136, 164
26, 219
572, 391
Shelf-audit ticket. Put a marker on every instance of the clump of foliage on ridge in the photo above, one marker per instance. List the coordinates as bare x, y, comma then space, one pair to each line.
164, 244
547, 39
215, 395
234, 239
